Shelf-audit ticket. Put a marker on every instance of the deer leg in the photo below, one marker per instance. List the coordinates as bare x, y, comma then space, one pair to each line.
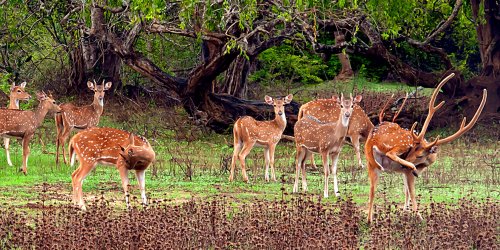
272, 149
64, 136
141, 178
407, 193
298, 163
311, 158
7, 153
58, 119
26, 152
335, 157
411, 189
243, 154
393, 156
124, 176
303, 167
355, 143
373, 176
77, 180
267, 159
237, 149
326, 170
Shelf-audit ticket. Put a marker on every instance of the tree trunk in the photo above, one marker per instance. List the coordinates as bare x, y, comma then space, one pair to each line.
225, 109
235, 81
346, 72
94, 59
488, 34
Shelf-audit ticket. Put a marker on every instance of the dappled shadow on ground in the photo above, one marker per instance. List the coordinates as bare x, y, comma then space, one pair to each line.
299, 222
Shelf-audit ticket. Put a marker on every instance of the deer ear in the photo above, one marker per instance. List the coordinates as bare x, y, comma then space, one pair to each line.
358, 99
269, 100
131, 139
90, 85
335, 98
433, 150
341, 97
12, 86
108, 85
23, 85
288, 98
41, 96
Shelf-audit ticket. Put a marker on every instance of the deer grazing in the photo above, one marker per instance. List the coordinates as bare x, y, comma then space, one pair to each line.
325, 138
23, 123
391, 148
73, 117
248, 132
328, 110
17, 93
111, 147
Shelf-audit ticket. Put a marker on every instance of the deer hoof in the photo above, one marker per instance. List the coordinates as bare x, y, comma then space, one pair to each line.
414, 173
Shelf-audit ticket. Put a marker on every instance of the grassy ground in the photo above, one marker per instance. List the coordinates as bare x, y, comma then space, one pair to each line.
199, 169
192, 164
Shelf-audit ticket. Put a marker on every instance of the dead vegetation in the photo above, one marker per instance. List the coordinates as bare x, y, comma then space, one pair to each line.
297, 223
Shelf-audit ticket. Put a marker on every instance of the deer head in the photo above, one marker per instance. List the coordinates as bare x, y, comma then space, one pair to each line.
17, 93
346, 106
136, 156
425, 152
99, 91
279, 104
48, 102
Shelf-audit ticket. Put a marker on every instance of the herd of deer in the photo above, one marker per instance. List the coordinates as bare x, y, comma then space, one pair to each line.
322, 127
91, 146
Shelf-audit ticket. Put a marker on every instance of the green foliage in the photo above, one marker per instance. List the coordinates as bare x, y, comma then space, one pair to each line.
287, 64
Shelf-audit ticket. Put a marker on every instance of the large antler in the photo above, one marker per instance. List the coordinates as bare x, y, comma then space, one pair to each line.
432, 108
469, 126
400, 108
382, 112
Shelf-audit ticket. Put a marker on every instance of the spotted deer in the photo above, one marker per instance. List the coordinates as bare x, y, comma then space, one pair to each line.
73, 117
392, 149
17, 93
328, 110
325, 138
249, 132
109, 146
23, 123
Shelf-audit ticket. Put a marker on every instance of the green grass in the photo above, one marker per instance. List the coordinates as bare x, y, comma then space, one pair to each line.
464, 167
453, 176
356, 85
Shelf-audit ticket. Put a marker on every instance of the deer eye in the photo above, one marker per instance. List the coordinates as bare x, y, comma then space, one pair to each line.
341, 105
18, 91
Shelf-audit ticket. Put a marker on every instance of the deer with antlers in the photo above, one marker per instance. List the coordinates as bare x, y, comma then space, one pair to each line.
17, 93
328, 110
73, 117
249, 132
109, 146
325, 138
23, 123
391, 148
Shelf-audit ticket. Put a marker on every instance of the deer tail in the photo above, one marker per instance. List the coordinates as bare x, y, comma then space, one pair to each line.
370, 157
72, 153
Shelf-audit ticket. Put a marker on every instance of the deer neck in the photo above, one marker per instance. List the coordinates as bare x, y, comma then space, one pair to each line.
342, 126
280, 120
98, 105
13, 103
40, 113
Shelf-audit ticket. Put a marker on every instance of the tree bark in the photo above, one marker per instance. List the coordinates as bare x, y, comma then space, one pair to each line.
488, 34
225, 109
346, 72
235, 81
